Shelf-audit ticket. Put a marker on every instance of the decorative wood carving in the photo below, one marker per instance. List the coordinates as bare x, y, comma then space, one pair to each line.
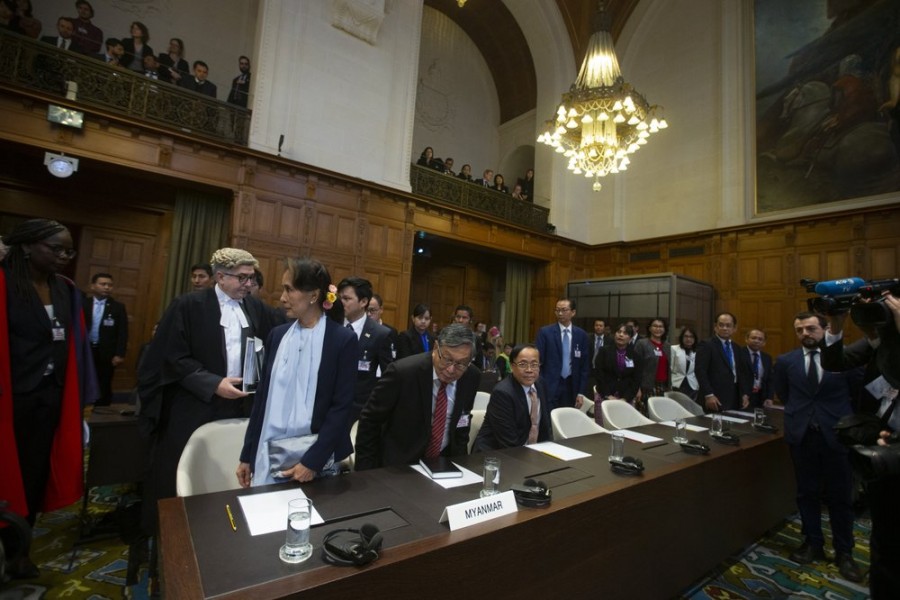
359, 18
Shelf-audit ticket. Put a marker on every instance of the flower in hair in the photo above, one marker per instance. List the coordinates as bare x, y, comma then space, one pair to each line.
330, 297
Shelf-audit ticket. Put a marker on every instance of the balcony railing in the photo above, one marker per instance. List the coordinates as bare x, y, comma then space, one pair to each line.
26, 63
463, 194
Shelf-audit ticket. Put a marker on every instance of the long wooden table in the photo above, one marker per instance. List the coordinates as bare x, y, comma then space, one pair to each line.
647, 536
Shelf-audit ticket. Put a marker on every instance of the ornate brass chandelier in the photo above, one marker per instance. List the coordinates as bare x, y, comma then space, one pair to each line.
602, 118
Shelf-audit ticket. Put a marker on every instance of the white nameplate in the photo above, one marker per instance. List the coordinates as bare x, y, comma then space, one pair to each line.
479, 510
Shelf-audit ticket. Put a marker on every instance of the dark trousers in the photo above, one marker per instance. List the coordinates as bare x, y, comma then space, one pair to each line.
35, 418
564, 396
104, 368
884, 503
818, 466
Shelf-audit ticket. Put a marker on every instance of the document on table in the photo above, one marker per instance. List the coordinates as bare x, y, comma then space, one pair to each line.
266, 513
727, 418
689, 426
558, 451
468, 477
741, 413
634, 436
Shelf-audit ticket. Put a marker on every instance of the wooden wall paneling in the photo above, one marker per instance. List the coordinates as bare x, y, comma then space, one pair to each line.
883, 261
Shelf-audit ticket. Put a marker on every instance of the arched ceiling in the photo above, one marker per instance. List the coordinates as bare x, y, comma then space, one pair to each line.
501, 42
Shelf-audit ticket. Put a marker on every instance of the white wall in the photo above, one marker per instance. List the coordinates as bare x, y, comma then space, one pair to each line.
457, 111
215, 32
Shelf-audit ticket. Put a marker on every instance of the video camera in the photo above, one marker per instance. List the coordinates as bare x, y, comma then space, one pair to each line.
840, 296
859, 432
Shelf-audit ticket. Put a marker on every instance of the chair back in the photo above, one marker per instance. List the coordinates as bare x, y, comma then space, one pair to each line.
481, 401
618, 414
208, 460
586, 406
684, 400
569, 422
475, 425
666, 409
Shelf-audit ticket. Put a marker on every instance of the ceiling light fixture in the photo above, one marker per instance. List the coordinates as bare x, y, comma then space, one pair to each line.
60, 165
601, 119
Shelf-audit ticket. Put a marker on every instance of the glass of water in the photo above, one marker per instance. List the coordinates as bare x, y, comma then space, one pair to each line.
491, 483
616, 446
716, 424
296, 543
680, 432
759, 416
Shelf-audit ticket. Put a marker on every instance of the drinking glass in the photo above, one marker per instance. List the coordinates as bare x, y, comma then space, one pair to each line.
491, 483
680, 432
296, 547
617, 446
716, 425
759, 416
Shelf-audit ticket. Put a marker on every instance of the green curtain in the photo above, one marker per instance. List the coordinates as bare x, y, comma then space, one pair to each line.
519, 279
200, 227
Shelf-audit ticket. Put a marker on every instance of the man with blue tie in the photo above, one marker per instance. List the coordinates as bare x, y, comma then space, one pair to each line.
564, 350
814, 400
760, 368
722, 368
107, 324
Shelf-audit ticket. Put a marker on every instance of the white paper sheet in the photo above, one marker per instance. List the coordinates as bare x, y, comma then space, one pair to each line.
558, 451
742, 413
689, 426
634, 436
268, 512
468, 477
727, 418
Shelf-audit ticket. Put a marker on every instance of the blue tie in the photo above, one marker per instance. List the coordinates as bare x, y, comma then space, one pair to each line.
729, 354
95, 321
566, 355
425, 342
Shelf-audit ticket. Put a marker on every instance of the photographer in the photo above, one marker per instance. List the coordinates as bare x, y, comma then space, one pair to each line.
880, 353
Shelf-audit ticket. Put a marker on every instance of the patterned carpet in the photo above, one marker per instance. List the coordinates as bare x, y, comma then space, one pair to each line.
99, 568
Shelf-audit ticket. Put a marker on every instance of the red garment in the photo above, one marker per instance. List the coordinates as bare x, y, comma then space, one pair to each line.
662, 364
65, 483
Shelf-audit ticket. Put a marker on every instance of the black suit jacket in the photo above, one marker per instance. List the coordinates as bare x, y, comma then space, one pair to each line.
715, 377
508, 420
374, 349
206, 87
395, 425
128, 54
765, 382
113, 340
610, 382
240, 92
74, 46
409, 342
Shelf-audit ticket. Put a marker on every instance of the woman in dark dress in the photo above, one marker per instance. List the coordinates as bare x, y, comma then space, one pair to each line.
418, 337
46, 376
174, 67
618, 370
136, 47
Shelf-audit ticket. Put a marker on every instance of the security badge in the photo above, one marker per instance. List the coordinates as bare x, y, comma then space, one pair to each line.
109, 322
59, 332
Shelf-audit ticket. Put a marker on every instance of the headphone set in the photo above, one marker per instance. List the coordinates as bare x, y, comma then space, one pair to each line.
726, 438
532, 494
627, 465
765, 428
695, 447
352, 547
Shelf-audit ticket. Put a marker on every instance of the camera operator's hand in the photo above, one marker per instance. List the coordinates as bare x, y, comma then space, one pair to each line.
883, 438
893, 303
836, 323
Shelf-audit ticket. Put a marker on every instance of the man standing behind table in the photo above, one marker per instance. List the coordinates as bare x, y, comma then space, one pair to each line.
375, 345
814, 400
517, 413
760, 368
422, 405
565, 360
107, 325
722, 369
194, 368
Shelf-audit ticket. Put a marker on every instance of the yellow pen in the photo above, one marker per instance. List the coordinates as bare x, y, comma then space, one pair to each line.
230, 517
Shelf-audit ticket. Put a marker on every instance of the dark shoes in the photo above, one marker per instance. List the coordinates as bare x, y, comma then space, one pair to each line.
807, 553
22, 568
847, 567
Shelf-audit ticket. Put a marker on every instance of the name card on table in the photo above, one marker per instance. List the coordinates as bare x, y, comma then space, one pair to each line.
479, 510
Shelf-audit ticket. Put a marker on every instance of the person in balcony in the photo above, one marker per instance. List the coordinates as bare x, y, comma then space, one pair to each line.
498, 184
465, 173
426, 157
136, 47
88, 35
65, 40
198, 82
486, 178
527, 184
173, 63
517, 192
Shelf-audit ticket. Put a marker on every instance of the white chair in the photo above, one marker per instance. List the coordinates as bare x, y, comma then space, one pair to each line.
481, 401
209, 459
586, 405
569, 422
618, 414
351, 460
685, 401
475, 426
666, 409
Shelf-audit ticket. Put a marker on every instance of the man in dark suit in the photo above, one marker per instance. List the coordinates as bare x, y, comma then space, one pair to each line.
722, 369
486, 179
240, 85
193, 372
65, 27
375, 345
375, 310
107, 325
422, 405
596, 342
517, 413
760, 368
814, 400
198, 82
565, 359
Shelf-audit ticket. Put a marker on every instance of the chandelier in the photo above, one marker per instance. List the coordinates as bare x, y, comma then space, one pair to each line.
602, 118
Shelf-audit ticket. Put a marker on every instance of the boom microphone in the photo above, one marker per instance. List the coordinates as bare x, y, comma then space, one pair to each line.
839, 287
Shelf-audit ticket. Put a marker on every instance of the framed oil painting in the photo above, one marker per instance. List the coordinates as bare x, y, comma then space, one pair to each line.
827, 102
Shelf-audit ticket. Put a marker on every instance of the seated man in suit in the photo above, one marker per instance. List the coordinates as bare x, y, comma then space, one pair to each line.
422, 405
517, 412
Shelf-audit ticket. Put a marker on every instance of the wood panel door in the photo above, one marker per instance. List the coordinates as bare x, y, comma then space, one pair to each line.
128, 257
439, 286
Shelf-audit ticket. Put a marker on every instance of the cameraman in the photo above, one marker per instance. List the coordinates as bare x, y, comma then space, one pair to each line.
880, 353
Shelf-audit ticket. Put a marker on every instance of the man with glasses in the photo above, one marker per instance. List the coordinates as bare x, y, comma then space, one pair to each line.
564, 352
723, 368
193, 371
422, 405
517, 413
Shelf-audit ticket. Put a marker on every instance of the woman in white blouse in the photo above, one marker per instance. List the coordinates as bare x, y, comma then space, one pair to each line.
682, 363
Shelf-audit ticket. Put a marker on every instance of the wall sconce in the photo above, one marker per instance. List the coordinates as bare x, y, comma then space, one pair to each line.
60, 165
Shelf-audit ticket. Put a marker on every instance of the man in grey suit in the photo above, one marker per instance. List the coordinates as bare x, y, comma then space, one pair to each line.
422, 405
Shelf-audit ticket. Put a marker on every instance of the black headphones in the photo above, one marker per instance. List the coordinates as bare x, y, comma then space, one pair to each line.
532, 494
726, 438
352, 547
627, 465
695, 447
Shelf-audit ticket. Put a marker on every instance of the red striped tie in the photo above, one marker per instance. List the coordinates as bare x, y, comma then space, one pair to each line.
438, 422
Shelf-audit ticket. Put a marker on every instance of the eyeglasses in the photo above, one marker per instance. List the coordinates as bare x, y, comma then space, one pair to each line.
447, 363
528, 366
242, 279
373, 310
560, 311
60, 251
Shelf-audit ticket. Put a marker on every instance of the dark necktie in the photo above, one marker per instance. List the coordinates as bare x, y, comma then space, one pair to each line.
438, 422
533, 432
812, 371
62, 43
756, 366
729, 354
